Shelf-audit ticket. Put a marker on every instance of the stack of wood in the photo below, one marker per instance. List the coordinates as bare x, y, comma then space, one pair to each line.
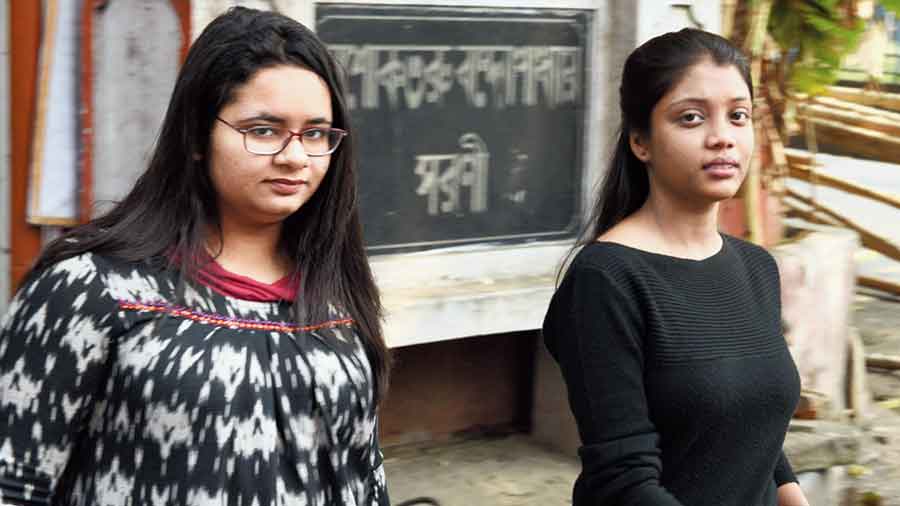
881, 100
802, 166
841, 122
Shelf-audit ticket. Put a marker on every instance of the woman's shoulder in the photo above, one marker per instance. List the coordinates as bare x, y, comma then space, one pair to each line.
100, 276
611, 258
617, 267
82, 268
753, 255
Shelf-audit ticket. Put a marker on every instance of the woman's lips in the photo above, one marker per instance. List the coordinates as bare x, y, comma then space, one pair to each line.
286, 186
721, 168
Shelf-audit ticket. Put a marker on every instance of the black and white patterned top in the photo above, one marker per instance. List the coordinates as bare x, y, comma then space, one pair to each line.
111, 394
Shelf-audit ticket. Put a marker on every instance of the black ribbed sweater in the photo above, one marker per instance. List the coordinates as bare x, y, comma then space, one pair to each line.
678, 375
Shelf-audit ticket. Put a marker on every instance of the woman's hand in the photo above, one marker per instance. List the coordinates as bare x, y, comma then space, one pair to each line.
790, 494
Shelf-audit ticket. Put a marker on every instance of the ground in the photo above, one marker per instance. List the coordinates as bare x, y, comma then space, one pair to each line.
513, 470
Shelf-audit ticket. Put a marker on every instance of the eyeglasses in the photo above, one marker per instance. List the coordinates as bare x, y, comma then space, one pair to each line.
271, 140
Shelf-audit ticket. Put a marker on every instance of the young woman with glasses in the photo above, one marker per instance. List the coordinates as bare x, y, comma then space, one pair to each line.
215, 338
668, 333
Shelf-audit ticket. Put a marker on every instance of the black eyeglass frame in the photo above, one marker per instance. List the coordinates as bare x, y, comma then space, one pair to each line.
243, 132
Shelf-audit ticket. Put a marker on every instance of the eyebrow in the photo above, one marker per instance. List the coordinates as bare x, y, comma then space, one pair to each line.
695, 100
271, 118
264, 116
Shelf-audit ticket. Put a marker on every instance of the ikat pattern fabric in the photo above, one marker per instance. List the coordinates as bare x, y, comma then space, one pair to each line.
114, 394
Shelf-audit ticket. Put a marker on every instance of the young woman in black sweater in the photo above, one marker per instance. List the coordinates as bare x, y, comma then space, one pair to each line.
668, 333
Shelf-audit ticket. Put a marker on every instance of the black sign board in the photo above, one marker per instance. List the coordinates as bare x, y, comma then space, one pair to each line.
470, 121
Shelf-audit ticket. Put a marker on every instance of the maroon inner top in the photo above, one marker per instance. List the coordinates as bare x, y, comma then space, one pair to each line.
234, 285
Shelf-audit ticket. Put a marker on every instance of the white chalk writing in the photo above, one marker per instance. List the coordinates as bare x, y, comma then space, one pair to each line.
500, 76
445, 175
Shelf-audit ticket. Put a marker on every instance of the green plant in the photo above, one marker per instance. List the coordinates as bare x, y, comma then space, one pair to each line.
814, 36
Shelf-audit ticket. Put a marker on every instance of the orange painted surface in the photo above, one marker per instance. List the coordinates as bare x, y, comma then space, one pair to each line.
733, 221
444, 388
24, 46
183, 10
86, 116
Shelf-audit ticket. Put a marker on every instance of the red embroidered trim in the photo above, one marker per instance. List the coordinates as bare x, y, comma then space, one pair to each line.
214, 319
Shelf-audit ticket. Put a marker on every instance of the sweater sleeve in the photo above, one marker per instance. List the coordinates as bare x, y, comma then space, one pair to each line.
783, 471
53, 360
593, 329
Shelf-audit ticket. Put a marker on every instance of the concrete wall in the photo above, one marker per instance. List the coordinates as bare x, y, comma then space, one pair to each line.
818, 280
136, 51
656, 17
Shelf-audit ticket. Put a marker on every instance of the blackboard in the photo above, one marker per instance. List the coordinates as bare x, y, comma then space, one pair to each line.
470, 121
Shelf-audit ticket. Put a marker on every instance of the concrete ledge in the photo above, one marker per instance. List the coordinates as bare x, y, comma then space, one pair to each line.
454, 293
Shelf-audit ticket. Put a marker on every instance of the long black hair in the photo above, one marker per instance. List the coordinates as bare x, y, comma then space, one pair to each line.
650, 72
172, 207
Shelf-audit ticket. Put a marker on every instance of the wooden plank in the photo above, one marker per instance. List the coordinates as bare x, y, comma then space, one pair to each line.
864, 97
804, 173
24, 47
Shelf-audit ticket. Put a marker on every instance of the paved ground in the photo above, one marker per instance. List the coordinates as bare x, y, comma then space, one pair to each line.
514, 471
878, 320
504, 471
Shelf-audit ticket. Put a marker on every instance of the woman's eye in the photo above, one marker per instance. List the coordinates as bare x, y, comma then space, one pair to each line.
264, 131
740, 116
314, 134
690, 118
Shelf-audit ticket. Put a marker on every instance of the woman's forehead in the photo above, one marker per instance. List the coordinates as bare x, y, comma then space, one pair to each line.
707, 81
285, 92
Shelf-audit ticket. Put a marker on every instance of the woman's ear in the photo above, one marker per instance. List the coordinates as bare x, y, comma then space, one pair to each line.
638, 145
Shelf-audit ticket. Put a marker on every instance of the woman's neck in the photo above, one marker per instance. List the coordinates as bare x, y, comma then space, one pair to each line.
685, 229
671, 227
250, 250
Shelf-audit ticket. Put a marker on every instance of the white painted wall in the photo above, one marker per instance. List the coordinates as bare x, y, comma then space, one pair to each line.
4, 157
656, 17
136, 49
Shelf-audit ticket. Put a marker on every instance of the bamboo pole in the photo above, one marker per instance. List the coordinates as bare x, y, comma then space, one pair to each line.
849, 117
856, 140
753, 46
803, 173
799, 156
845, 105
879, 284
871, 98
882, 361
869, 239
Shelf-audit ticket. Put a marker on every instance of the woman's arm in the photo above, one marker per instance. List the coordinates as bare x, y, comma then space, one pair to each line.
378, 492
790, 494
593, 329
53, 357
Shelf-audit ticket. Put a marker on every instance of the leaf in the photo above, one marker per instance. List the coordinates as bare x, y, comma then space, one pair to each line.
816, 34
